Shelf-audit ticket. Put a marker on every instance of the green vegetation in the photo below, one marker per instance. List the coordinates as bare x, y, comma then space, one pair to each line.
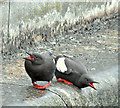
40, 12
46, 8
57, 6
26, 18
36, 11
43, 8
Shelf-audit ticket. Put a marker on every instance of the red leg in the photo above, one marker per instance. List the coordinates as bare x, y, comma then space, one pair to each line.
64, 81
41, 87
36, 85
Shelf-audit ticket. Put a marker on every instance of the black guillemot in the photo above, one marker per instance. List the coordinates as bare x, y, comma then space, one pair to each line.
72, 71
40, 67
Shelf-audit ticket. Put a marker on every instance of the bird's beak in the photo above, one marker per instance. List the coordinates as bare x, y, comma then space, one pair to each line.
91, 84
95, 82
31, 58
28, 53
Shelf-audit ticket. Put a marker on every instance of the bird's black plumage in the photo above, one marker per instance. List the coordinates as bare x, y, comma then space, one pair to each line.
40, 67
75, 72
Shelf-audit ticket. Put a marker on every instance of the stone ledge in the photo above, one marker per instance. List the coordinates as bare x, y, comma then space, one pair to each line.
60, 94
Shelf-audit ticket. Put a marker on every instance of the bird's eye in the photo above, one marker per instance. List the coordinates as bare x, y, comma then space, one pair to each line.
36, 57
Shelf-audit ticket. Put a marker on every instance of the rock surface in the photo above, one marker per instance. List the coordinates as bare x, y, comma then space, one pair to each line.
93, 40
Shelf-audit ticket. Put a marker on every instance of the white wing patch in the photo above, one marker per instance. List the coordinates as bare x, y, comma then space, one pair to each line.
61, 65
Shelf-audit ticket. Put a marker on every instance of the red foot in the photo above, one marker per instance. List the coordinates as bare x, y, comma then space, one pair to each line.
41, 87
64, 81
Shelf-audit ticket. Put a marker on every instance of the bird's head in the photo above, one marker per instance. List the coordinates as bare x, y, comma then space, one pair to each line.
34, 58
86, 81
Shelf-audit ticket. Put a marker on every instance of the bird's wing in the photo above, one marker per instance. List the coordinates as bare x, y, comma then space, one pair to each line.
75, 66
61, 65
81, 66
65, 65
70, 66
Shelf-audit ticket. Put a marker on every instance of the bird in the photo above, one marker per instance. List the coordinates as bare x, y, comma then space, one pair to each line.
40, 67
71, 71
